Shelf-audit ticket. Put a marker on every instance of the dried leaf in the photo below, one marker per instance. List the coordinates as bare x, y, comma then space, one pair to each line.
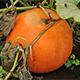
27, 58
26, 53
7, 64
24, 74
38, 77
23, 70
7, 19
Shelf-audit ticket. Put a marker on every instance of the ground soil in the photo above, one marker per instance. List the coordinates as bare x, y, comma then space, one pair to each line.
61, 74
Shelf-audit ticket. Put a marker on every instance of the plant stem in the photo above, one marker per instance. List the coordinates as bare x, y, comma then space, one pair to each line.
12, 2
24, 56
20, 8
14, 74
14, 66
23, 8
44, 2
26, 8
45, 29
51, 3
15, 3
22, 3
16, 39
74, 24
41, 33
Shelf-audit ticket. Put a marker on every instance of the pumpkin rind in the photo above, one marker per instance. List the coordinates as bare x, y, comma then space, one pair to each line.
52, 49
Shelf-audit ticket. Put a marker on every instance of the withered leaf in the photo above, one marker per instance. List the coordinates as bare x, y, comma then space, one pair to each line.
7, 19
11, 53
38, 77
25, 74
21, 60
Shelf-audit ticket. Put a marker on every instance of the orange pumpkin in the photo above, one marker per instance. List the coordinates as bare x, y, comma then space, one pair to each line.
52, 49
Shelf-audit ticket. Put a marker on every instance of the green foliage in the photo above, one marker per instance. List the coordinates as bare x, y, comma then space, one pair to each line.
0, 45
4, 57
72, 56
1, 68
1, 72
0, 37
68, 63
7, 5
1, 79
29, 0
72, 61
67, 9
76, 1
78, 33
77, 62
51, 3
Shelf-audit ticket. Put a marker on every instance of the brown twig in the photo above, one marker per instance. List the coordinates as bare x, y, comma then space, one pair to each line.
41, 33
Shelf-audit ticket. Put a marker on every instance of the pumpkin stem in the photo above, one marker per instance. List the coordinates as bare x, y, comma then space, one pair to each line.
49, 15
47, 20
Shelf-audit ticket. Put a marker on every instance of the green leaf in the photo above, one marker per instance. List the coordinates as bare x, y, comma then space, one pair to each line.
78, 33
68, 63
1, 36
72, 68
72, 56
31, 0
1, 47
76, 1
1, 68
77, 62
67, 9
73, 62
51, 3
7, 5
4, 57
1, 78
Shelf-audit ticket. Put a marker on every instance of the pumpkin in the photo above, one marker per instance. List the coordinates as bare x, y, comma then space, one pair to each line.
52, 49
